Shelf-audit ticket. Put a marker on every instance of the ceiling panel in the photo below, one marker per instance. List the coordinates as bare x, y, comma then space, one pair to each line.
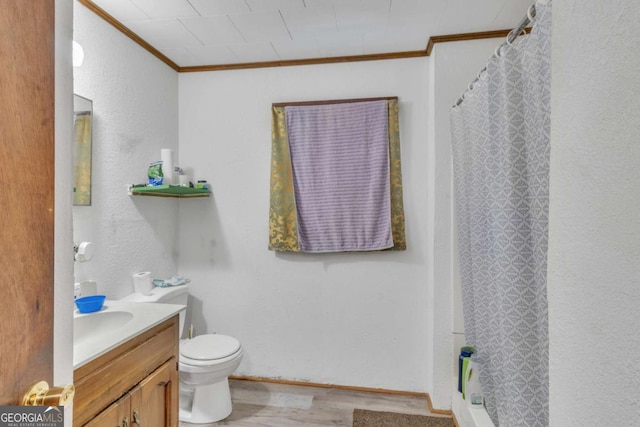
219, 7
213, 29
273, 5
343, 43
254, 52
318, 3
418, 14
361, 14
122, 10
213, 55
464, 16
166, 9
164, 34
310, 20
393, 41
260, 26
298, 48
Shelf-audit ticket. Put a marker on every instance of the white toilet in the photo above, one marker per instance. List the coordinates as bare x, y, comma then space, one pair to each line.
205, 363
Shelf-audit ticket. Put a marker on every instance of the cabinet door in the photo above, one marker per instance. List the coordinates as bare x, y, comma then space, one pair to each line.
154, 402
116, 415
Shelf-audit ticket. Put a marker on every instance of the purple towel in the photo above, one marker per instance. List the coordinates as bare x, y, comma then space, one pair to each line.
340, 165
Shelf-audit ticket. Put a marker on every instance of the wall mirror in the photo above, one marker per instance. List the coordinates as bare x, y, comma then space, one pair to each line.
83, 117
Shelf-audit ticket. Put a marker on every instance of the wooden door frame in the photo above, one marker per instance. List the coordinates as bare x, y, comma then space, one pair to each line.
37, 90
27, 146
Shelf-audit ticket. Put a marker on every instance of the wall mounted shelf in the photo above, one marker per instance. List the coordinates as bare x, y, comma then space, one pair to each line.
169, 191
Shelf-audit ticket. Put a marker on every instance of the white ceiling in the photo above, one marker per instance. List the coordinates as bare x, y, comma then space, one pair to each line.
216, 32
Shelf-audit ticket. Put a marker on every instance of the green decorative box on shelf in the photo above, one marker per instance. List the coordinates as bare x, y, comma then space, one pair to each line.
169, 191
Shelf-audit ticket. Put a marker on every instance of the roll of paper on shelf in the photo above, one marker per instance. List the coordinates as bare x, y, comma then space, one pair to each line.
166, 155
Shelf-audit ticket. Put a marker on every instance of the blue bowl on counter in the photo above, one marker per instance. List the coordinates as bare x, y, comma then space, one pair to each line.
90, 304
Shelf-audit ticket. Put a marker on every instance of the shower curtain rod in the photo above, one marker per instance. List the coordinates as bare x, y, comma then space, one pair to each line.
511, 37
332, 101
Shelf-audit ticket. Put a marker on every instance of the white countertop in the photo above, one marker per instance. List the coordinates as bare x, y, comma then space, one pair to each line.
103, 337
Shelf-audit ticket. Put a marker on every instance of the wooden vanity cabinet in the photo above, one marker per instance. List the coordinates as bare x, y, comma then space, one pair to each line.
116, 415
149, 403
134, 384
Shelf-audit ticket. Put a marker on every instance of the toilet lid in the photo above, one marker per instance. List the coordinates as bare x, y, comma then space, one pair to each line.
209, 347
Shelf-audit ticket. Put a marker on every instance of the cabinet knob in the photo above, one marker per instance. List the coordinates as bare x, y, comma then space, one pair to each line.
39, 394
125, 422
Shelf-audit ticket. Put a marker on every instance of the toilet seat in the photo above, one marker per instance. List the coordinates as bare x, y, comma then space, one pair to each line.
207, 349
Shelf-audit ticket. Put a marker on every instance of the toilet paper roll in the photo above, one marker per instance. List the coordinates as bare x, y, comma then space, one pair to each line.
142, 283
166, 155
84, 252
88, 287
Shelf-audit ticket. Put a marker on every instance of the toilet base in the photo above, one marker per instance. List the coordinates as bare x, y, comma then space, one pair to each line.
205, 403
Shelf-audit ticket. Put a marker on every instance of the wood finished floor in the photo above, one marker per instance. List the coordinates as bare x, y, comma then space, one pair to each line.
281, 405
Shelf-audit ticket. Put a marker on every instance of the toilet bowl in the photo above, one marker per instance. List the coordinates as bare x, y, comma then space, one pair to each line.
204, 365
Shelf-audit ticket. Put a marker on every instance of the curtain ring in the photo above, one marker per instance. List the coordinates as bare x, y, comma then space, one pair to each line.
530, 13
523, 32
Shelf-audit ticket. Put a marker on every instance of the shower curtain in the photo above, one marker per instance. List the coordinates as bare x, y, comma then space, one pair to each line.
500, 137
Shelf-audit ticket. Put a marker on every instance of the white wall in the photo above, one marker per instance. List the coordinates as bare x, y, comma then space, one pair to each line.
365, 319
594, 236
355, 319
135, 106
63, 266
331, 318
453, 66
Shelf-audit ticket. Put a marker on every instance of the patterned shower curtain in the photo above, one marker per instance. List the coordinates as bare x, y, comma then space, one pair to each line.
500, 136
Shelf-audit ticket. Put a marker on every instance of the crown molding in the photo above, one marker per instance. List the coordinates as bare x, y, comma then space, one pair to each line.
309, 61
433, 40
467, 36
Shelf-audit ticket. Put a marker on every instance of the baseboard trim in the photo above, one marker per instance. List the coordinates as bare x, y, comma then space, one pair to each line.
455, 420
434, 410
346, 387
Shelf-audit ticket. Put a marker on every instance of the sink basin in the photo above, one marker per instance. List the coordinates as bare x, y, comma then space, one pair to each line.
94, 325
94, 334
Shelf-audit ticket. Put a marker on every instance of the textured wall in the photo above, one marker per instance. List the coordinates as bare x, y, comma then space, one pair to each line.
594, 242
135, 103
356, 319
324, 318
454, 66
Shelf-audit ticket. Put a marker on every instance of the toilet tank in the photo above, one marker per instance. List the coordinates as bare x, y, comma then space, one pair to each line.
169, 295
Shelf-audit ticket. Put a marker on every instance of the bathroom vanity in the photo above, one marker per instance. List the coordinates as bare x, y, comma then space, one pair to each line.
127, 374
